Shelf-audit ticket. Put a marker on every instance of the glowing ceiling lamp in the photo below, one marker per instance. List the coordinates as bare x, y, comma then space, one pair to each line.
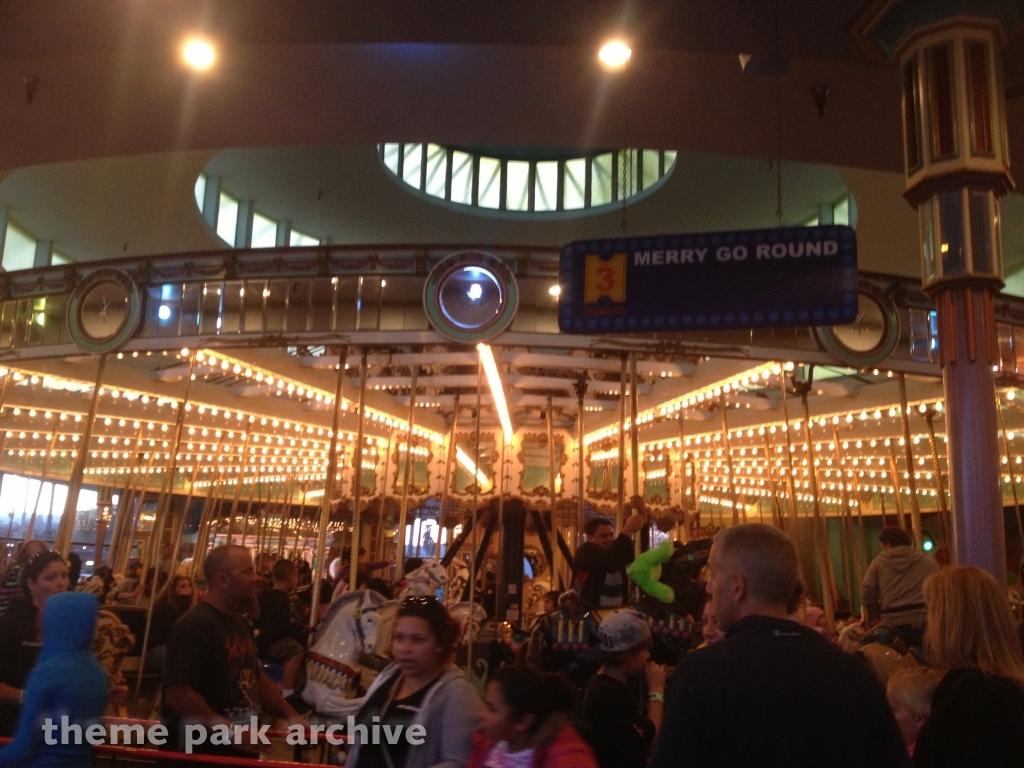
614, 54
198, 54
497, 390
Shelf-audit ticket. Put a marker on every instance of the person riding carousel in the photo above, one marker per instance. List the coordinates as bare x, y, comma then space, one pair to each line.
601, 561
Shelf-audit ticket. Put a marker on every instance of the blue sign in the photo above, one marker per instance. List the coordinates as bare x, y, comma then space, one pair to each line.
764, 278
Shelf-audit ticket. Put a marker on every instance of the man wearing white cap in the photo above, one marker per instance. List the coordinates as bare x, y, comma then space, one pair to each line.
620, 733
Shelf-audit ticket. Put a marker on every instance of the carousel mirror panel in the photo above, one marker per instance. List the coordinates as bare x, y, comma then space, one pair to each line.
656, 472
603, 480
536, 462
419, 472
475, 470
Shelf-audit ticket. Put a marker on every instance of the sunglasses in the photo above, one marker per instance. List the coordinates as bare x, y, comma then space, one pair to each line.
419, 601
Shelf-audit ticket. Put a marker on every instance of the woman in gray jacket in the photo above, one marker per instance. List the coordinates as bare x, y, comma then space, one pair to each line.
421, 711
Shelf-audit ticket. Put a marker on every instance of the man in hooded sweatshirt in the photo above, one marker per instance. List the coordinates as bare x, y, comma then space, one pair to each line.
66, 681
891, 590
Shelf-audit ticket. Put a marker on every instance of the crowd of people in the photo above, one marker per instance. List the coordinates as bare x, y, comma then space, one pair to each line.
769, 685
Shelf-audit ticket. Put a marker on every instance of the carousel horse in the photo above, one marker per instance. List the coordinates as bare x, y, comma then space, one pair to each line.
535, 596
884, 651
425, 580
469, 621
112, 641
458, 579
348, 651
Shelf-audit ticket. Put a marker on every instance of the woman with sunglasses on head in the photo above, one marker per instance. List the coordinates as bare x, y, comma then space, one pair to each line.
42, 577
421, 687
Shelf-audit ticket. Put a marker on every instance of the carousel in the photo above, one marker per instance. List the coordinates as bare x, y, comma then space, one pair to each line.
419, 406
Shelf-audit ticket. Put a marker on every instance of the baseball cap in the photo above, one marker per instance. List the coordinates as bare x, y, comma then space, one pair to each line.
619, 632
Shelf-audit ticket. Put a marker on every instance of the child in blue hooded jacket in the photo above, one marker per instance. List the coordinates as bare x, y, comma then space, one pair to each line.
67, 680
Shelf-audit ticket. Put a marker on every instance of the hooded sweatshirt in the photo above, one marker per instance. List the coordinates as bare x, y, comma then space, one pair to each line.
892, 586
449, 714
67, 681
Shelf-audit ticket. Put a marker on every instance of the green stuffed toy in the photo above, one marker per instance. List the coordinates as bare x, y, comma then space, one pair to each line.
646, 571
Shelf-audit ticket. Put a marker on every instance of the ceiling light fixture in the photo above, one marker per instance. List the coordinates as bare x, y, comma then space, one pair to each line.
198, 54
497, 390
614, 54
555, 290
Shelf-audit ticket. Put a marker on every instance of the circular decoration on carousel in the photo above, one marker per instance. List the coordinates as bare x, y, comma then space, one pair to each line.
471, 297
873, 334
104, 311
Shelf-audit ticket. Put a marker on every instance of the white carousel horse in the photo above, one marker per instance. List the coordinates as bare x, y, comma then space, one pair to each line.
425, 580
458, 578
469, 621
357, 624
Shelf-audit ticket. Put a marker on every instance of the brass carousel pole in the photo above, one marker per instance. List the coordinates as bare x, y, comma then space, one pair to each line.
357, 487
206, 518
3, 437
778, 518
897, 490
449, 460
66, 528
634, 440
286, 513
1009, 467
162, 512
254, 488
243, 457
475, 519
696, 487
556, 551
407, 477
42, 479
121, 524
136, 525
944, 522
621, 498
325, 502
282, 501
851, 533
821, 530
184, 516
915, 507
723, 405
499, 581
683, 529
384, 496
298, 521
790, 481
581, 392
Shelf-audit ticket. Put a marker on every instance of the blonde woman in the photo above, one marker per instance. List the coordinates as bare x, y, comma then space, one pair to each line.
977, 716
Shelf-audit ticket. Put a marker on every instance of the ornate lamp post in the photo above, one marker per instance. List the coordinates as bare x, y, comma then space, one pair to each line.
957, 167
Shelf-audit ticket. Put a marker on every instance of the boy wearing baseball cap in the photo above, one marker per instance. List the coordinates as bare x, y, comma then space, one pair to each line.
620, 733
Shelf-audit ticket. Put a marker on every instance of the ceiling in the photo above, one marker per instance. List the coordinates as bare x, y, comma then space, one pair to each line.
328, 72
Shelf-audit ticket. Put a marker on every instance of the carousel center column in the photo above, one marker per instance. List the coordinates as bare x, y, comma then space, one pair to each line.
957, 167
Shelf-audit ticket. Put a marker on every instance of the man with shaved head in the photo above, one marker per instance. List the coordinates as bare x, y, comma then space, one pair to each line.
212, 675
773, 692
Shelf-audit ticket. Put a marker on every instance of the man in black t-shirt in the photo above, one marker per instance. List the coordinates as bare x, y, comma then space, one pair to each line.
773, 692
212, 676
280, 636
